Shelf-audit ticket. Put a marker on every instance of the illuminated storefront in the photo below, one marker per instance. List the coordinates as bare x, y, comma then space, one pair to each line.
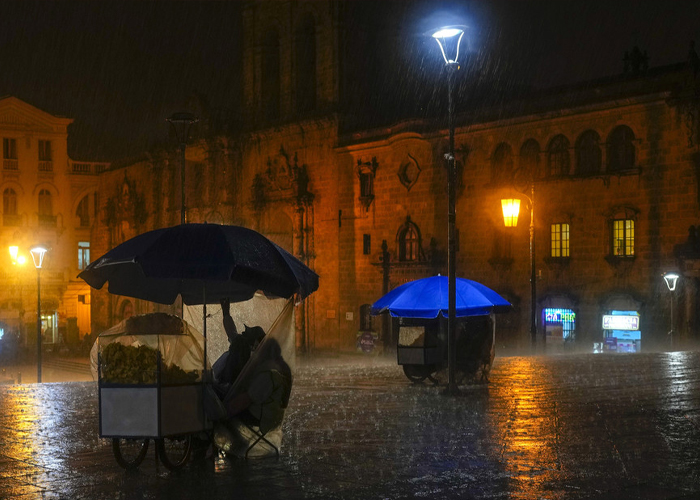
621, 332
560, 325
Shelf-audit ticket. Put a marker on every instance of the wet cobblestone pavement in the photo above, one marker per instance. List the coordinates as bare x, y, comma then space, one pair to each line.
578, 426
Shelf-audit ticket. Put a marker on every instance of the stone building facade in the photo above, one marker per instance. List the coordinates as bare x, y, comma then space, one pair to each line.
614, 166
48, 199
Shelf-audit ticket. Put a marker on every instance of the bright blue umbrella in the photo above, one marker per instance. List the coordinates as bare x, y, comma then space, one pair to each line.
428, 297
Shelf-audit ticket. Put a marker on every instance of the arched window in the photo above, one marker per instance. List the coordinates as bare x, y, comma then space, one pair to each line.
502, 163
621, 153
83, 211
558, 161
409, 242
306, 65
270, 97
45, 205
530, 160
588, 154
9, 202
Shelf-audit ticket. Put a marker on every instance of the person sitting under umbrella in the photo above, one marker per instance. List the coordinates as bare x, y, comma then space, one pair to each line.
229, 365
261, 399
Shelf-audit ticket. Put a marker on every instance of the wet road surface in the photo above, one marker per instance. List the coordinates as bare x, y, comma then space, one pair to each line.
560, 427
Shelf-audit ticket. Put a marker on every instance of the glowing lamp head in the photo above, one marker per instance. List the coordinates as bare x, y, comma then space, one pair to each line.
511, 209
449, 38
13, 253
671, 280
38, 253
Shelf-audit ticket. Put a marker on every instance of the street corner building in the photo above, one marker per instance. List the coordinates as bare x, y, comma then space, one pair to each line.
48, 199
328, 160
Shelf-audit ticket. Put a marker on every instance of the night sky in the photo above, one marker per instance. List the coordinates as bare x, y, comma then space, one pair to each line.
120, 68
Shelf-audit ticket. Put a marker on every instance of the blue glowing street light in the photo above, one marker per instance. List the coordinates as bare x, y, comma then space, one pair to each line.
671, 280
449, 39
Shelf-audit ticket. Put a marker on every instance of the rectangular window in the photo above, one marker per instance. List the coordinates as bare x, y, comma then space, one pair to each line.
45, 151
9, 148
560, 240
83, 254
623, 238
366, 244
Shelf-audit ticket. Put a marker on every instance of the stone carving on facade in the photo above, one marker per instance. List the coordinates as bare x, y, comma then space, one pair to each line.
409, 172
283, 180
125, 212
366, 172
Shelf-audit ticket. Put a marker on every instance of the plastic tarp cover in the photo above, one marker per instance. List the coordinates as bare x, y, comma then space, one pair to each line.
179, 343
232, 436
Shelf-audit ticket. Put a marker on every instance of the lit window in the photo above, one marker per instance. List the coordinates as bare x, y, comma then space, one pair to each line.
83, 254
623, 238
560, 240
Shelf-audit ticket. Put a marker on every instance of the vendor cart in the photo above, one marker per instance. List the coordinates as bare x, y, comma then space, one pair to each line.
201, 264
422, 347
419, 312
150, 387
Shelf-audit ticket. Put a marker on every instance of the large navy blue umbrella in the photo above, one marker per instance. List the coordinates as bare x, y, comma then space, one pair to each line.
203, 263
428, 297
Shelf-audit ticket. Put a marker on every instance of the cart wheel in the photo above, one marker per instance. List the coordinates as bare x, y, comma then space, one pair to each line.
416, 373
174, 452
129, 453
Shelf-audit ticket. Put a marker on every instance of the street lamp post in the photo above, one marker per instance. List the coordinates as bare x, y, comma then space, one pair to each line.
449, 39
671, 280
511, 207
38, 253
181, 123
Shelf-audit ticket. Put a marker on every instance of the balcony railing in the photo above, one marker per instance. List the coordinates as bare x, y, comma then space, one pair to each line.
45, 166
10, 164
87, 168
47, 220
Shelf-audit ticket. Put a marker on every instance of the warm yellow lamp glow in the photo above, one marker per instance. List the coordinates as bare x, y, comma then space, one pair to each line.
13, 253
511, 209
